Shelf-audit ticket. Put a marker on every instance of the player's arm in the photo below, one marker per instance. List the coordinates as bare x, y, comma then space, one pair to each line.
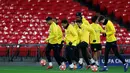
53, 33
60, 32
102, 30
92, 33
85, 21
74, 33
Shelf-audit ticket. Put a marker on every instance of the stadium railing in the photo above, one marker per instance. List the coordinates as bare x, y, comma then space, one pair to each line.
37, 51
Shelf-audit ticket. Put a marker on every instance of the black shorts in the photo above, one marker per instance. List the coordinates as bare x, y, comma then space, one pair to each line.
50, 46
82, 44
96, 47
110, 45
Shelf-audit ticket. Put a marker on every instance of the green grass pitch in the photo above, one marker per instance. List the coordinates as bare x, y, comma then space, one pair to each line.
38, 69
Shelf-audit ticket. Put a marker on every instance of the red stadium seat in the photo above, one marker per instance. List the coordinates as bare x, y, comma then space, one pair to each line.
52, 53
111, 5
13, 51
33, 51
127, 50
3, 51
42, 51
23, 51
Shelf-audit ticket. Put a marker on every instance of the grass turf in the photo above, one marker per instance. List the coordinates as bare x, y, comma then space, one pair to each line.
38, 69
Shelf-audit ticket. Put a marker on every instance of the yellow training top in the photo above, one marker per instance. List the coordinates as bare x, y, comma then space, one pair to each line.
53, 33
110, 32
71, 35
98, 29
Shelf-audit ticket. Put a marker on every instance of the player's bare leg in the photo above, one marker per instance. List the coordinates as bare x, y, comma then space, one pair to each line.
96, 57
90, 57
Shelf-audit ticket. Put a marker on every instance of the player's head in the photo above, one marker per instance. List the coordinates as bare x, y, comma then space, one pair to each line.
49, 20
78, 16
101, 19
64, 23
55, 20
95, 19
79, 22
73, 22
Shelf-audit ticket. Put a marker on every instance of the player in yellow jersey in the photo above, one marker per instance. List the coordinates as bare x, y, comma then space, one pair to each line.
96, 46
78, 53
84, 32
111, 43
79, 16
53, 40
71, 38
60, 40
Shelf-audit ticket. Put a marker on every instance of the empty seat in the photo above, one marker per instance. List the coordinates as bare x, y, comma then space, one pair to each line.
33, 51
115, 7
24, 51
13, 51
3, 51
42, 50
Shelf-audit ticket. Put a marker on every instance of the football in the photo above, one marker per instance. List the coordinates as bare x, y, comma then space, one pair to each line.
43, 62
94, 68
62, 67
